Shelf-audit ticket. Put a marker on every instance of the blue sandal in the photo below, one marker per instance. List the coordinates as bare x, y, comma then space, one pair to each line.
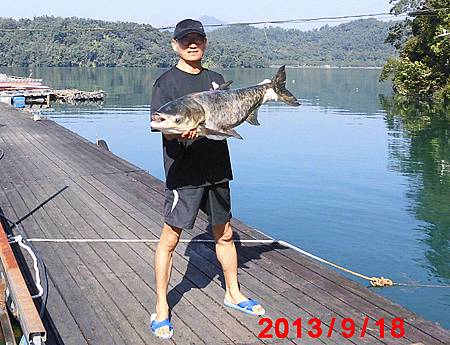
245, 307
156, 325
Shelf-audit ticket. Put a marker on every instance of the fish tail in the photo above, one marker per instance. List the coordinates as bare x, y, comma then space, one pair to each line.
278, 84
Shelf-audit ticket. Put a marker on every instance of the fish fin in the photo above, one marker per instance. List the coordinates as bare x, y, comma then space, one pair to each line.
219, 135
225, 86
253, 118
234, 134
278, 84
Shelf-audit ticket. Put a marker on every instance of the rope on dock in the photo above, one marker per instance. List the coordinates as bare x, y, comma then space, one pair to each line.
19, 239
23, 242
374, 281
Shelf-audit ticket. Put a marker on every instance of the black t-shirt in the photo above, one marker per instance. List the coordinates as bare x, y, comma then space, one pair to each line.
198, 162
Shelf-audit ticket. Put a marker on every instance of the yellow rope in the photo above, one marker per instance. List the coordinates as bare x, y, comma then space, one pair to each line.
380, 282
374, 281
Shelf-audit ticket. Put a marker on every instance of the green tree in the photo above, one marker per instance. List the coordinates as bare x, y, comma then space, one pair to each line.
422, 70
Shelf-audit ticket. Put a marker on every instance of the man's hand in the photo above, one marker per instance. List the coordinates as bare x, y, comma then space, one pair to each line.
185, 136
191, 134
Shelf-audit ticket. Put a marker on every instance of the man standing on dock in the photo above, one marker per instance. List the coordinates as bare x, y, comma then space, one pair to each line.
198, 171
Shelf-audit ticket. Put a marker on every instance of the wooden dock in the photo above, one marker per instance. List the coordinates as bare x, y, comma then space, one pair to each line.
103, 293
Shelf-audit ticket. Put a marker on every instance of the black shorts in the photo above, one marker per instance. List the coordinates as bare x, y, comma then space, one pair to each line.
181, 205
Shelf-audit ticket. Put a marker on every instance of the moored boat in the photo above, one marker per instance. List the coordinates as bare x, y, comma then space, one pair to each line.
20, 83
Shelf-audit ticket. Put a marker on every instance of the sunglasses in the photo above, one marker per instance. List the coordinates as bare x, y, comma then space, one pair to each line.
186, 41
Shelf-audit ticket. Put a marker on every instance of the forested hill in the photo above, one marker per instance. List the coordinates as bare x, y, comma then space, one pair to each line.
68, 42
58, 41
358, 43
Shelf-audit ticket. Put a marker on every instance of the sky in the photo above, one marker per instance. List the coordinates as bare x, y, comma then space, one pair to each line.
165, 13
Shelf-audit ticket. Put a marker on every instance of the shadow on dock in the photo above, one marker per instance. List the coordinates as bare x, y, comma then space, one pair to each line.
195, 263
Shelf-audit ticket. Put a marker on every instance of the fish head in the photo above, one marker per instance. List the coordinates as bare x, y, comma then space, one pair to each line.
178, 116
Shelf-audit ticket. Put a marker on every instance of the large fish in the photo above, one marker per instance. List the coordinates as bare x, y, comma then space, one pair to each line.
215, 113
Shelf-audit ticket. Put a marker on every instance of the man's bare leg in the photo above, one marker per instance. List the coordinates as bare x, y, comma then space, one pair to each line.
227, 256
163, 267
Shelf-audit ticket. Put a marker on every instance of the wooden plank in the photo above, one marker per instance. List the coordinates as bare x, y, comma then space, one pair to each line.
273, 299
84, 153
4, 175
35, 157
30, 321
275, 304
23, 162
101, 279
63, 150
42, 152
6, 328
59, 321
120, 163
116, 266
9, 167
77, 301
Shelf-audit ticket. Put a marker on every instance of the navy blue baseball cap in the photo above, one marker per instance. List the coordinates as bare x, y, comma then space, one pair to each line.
187, 26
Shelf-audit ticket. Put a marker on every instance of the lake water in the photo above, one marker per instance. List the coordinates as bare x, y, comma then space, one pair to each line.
337, 177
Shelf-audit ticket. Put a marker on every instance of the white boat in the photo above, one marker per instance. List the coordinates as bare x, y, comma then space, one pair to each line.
8, 82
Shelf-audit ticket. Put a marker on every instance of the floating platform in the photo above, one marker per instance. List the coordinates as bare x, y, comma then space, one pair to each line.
19, 91
61, 186
45, 97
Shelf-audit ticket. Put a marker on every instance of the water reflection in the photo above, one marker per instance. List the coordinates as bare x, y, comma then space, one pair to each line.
420, 148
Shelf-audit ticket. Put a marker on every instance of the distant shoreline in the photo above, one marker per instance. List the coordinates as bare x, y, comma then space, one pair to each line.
329, 67
270, 66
